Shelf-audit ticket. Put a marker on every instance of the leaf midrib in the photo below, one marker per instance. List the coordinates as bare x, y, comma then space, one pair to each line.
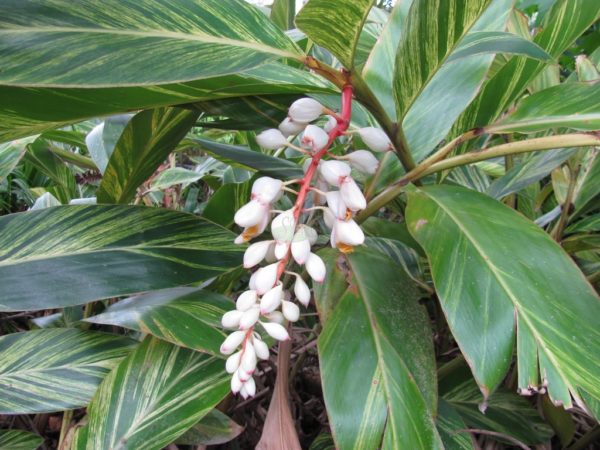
495, 271
553, 119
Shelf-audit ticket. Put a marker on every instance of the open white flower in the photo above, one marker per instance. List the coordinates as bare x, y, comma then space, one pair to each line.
375, 139
346, 235
314, 138
271, 139
251, 214
336, 205
252, 231
305, 110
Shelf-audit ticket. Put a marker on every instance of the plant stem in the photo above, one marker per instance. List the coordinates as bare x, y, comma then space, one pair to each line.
65, 425
74, 158
566, 206
427, 167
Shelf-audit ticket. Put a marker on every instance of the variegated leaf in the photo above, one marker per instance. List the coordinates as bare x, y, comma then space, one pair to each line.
66, 44
335, 25
174, 176
186, 316
249, 159
29, 110
11, 153
144, 144
19, 440
486, 295
570, 105
153, 396
69, 255
213, 429
379, 384
433, 30
55, 369
566, 21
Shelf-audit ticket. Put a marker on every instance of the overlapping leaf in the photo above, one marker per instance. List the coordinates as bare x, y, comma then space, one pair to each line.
68, 255
144, 144
10, 155
570, 105
485, 294
213, 429
19, 440
335, 25
61, 43
186, 316
153, 396
376, 356
55, 369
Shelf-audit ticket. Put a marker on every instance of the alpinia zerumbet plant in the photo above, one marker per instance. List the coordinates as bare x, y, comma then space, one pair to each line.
268, 302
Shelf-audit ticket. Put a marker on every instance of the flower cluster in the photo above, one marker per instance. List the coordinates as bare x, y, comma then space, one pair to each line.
267, 302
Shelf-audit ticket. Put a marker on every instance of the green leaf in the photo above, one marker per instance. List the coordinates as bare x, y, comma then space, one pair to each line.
451, 88
376, 357
283, 12
588, 187
566, 21
433, 30
150, 41
196, 313
503, 412
588, 224
101, 141
153, 396
376, 72
213, 429
450, 424
174, 176
55, 369
495, 271
19, 440
335, 25
11, 153
145, 143
481, 42
69, 255
533, 169
221, 207
29, 110
572, 105
246, 158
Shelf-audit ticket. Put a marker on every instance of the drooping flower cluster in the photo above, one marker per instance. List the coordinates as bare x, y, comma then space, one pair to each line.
267, 302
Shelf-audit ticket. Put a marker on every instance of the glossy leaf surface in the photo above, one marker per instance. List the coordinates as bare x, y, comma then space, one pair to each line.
196, 313
381, 387
55, 369
153, 396
485, 295
69, 255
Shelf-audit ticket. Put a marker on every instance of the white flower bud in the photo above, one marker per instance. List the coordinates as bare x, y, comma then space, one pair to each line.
256, 253
249, 318
262, 349
271, 139
290, 128
251, 214
270, 257
314, 138
331, 124
305, 110
252, 282
275, 316
363, 161
349, 233
231, 319
301, 291
233, 362
250, 387
315, 268
329, 218
232, 342
300, 251
248, 361
276, 331
246, 300
322, 185
253, 231
290, 311
334, 172
283, 226
236, 383
375, 139
336, 205
265, 278
281, 249
242, 374
267, 189
243, 392
271, 300
352, 195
